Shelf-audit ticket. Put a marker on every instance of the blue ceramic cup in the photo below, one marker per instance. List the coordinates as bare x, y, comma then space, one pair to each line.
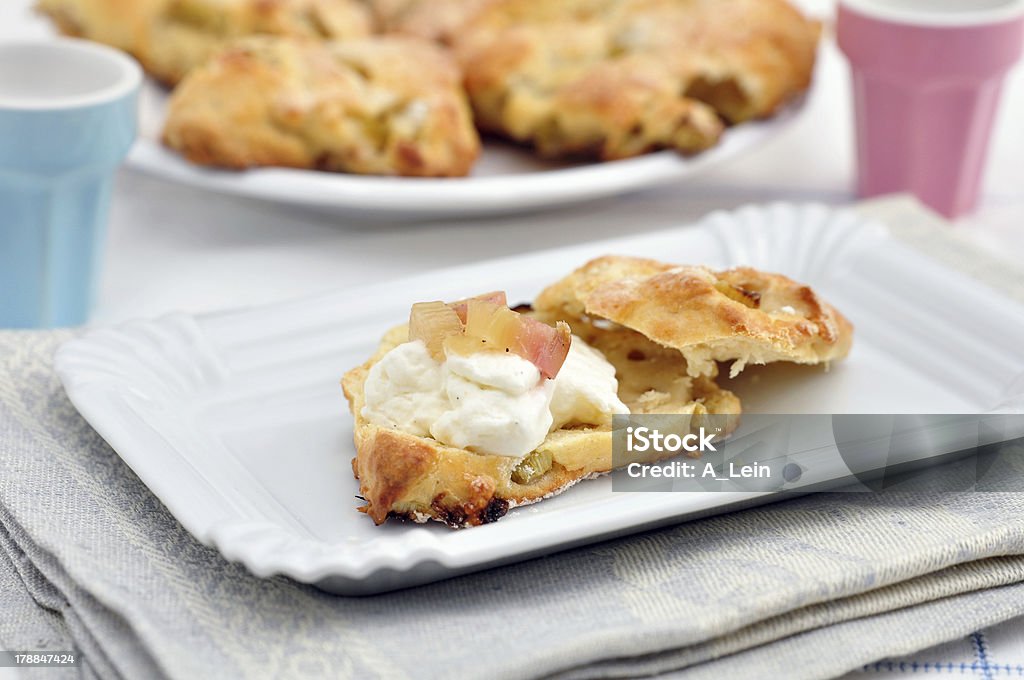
68, 112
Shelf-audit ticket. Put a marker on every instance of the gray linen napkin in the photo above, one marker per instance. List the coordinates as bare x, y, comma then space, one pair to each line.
808, 588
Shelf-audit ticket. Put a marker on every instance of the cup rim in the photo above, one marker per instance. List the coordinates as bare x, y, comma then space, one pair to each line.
129, 77
875, 9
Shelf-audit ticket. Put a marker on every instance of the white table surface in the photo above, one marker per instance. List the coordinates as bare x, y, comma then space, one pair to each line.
173, 248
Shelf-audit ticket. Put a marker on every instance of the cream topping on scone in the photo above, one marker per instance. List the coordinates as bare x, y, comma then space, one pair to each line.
498, 405
405, 390
586, 390
487, 402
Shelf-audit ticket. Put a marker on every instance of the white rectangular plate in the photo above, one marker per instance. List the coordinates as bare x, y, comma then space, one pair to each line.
237, 422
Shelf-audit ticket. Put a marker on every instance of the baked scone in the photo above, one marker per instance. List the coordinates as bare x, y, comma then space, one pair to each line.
420, 478
171, 37
381, 106
653, 330
439, 20
125, 24
740, 315
617, 78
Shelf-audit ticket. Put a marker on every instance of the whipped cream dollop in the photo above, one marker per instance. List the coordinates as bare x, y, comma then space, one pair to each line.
489, 402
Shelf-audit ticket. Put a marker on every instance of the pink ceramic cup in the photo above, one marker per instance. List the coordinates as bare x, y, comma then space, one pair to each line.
927, 76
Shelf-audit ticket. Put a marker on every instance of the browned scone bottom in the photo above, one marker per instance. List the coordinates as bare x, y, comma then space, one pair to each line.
611, 79
381, 106
171, 37
418, 478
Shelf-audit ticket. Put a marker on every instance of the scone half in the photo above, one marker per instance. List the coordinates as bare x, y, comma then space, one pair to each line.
418, 478
740, 315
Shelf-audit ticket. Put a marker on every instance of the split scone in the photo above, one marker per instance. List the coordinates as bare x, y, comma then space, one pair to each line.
439, 20
741, 315
381, 106
618, 78
473, 409
171, 37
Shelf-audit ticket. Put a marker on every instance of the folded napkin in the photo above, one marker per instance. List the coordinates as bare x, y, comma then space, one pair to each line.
807, 588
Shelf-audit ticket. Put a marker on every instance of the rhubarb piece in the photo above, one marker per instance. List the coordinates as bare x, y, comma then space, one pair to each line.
495, 298
544, 346
496, 328
750, 298
532, 467
486, 324
432, 322
492, 323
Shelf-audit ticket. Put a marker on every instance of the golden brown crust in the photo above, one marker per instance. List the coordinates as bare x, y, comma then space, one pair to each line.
124, 24
402, 475
740, 315
385, 106
171, 37
617, 78
438, 20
